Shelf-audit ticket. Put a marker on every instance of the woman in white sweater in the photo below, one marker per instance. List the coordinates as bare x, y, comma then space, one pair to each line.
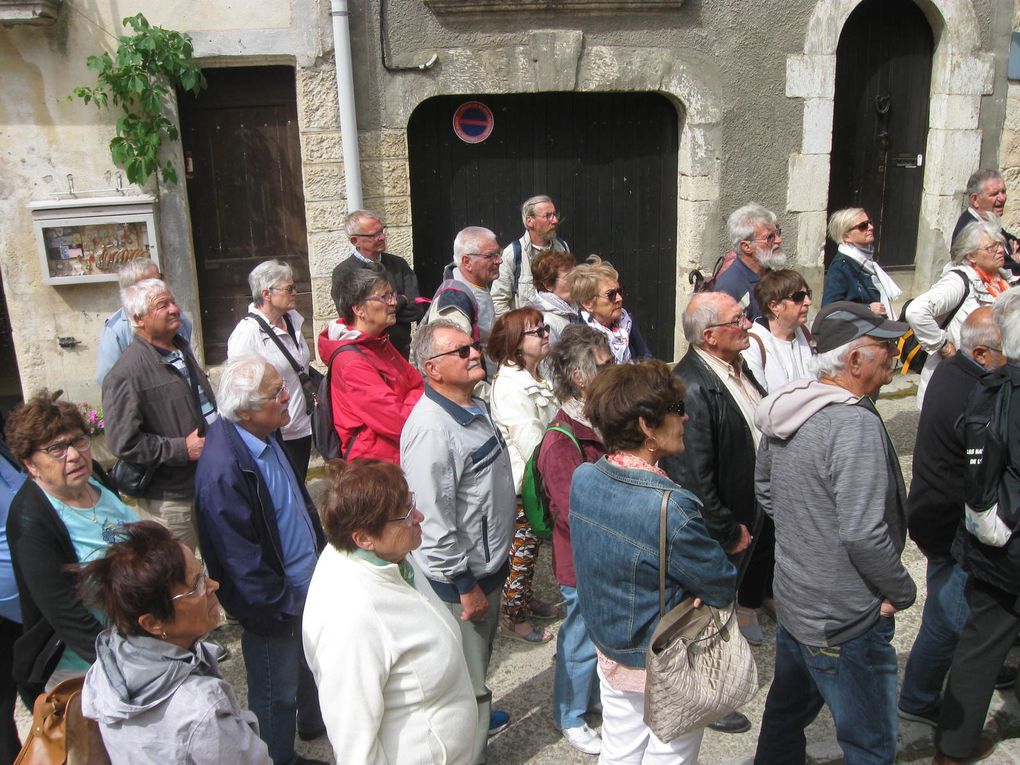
522, 405
385, 652
974, 277
781, 346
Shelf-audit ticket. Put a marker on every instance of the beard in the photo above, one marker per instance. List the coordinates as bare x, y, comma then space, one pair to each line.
772, 259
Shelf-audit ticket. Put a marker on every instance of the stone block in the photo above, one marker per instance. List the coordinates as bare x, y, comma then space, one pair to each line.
698, 152
1009, 149
698, 188
553, 55
807, 187
954, 112
817, 137
325, 250
967, 75
1012, 121
324, 146
810, 240
396, 211
399, 240
323, 308
326, 216
951, 158
934, 231
810, 76
385, 177
324, 181
317, 103
383, 144
697, 243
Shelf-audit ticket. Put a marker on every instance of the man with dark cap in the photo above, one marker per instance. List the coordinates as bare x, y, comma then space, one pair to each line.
828, 475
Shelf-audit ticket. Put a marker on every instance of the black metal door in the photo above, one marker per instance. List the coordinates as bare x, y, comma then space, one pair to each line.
608, 160
244, 192
880, 122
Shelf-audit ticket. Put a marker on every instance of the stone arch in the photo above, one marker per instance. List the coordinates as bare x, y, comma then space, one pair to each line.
556, 60
961, 74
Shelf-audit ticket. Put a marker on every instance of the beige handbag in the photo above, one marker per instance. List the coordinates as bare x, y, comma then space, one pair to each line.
60, 735
699, 667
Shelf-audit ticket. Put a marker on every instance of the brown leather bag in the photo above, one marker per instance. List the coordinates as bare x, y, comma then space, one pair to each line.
60, 735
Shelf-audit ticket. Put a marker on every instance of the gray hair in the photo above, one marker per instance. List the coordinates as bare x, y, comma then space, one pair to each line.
470, 240
356, 285
976, 182
969, 238
423, 346
699, 313
134, 271
136, 298
832, 362
353, 222
528, 208
744, 220
265, 276
240, 386
575, 352
980, 329
841, 221
1006, 312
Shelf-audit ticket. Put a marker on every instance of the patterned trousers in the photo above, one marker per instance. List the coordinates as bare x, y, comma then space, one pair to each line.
517, 595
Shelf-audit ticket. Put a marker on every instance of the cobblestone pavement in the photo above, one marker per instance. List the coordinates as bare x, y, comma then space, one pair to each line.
521, 675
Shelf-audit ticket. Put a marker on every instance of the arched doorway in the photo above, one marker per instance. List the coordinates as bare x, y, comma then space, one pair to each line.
880, 122
609, 160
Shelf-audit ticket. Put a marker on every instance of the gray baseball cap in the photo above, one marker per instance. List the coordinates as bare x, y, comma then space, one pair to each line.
839, 323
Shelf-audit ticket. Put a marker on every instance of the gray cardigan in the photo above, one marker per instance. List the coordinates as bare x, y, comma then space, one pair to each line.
150, 410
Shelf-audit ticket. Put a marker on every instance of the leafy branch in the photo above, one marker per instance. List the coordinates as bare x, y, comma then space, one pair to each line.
148, 65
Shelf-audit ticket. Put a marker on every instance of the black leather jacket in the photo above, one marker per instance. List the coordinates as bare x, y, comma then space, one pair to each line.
718, 460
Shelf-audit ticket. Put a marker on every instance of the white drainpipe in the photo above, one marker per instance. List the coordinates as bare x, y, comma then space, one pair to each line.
345, 95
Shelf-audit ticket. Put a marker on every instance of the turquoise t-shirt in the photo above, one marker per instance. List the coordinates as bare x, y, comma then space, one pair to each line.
91, 531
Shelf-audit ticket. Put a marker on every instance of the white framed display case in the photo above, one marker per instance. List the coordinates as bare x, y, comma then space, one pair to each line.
87, 240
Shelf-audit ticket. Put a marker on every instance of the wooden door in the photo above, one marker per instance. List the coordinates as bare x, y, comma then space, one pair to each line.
880, 122
244, 192
609, 161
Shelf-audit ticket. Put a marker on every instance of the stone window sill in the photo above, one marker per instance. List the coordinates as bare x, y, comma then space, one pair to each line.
461, 7
31, 12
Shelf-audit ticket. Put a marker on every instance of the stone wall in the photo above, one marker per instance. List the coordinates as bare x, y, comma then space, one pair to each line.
1009, 148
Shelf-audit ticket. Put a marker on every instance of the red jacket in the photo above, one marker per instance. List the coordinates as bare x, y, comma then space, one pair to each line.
557, 461
373, 392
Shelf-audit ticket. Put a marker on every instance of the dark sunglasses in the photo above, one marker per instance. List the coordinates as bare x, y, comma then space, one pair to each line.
541, 331
799, 296
611, 295
864, 225
463, 351
677, 408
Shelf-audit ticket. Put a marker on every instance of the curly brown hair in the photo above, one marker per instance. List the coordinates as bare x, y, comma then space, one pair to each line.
547, 268
363, 495
39, 420
620, 394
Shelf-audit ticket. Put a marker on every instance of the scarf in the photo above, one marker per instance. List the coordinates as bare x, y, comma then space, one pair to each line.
619, 335
888, 290
994, 283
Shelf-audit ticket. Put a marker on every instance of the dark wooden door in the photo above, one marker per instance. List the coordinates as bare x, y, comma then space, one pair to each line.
244, 191
608, 160
880, 122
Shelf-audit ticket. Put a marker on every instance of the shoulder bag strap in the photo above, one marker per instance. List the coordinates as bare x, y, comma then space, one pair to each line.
663, 561
956, 309
279, 343
196, 398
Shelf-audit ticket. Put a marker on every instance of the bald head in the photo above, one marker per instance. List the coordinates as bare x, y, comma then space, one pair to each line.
981, 338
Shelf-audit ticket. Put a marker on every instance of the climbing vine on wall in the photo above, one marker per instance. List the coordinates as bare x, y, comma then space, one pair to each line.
147, 66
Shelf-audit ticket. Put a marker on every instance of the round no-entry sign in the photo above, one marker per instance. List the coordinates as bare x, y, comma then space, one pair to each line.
472, 122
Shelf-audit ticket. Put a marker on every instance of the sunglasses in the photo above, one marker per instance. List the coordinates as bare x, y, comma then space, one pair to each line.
864, 225
462, 351
799, 296
540, 331
677, 408
612, 295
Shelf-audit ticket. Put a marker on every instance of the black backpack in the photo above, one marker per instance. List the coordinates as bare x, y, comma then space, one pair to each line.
703, 284
909, 351
324, 434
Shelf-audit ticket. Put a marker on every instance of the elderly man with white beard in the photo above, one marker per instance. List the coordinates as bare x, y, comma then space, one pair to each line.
756, 240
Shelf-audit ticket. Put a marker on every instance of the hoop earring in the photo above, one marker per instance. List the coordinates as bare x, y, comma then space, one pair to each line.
652, 448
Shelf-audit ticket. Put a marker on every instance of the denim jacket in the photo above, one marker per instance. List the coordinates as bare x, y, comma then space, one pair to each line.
614, 523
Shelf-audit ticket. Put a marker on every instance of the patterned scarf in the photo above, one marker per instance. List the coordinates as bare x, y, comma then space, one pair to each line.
619, 335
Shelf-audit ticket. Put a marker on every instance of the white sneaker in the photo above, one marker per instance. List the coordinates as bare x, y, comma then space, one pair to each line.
583, 739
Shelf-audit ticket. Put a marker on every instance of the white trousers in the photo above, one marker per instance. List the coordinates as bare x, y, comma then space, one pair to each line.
626, 740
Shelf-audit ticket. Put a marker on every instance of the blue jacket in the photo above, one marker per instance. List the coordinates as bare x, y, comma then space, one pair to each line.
614, 527
846, 280
239, 537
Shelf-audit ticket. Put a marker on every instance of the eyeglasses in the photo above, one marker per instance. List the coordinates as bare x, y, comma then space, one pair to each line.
462, 351
736, 323
548, 216
406, 517
200, 589
377, 235
289, 290
889, 346
770, 238
612, 295
387, 297
864, 225
993, 248
799, 296
677, 407
58, 449
278, 396
541, 331
485, 255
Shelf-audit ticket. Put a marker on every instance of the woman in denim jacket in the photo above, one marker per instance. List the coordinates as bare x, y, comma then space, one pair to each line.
614, 512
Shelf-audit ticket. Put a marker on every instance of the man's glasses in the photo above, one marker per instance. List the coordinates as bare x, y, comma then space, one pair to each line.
737, 323
200, 589
377, 235
406, 517
58, 449
612, 295
279, 394
485, 255
548, 216
864, 225
462, 351
289, 290
799, 296
540, 331
390, 298
770, 238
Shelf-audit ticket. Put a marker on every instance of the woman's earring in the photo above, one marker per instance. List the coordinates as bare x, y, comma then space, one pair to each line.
163, 636
652, 448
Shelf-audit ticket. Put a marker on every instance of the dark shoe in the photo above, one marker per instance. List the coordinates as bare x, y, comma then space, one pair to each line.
533, 635
498, 722
925, 718
734, 722
1006, 678
984, 748
310, 734
545, 611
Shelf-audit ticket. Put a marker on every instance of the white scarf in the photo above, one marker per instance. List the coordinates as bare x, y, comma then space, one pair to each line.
887, 288
619, 335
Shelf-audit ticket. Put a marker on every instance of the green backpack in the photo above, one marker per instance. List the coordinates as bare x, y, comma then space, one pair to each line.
533, 496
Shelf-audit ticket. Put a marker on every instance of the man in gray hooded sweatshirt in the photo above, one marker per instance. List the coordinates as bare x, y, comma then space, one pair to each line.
828, 475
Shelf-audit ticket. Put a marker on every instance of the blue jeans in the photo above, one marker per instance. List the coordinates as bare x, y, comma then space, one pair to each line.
575, 685
945, 613
856, 680
281, 690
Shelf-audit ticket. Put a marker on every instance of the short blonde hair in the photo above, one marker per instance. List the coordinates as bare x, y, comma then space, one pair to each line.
583, 280
842, 221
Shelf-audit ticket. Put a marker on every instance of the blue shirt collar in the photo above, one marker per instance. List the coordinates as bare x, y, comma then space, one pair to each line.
255, 445
461, 415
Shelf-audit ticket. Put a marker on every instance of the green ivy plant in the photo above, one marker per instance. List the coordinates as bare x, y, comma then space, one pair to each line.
148, 65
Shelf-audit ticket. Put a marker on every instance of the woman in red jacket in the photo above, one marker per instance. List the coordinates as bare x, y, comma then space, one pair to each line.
373, 386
